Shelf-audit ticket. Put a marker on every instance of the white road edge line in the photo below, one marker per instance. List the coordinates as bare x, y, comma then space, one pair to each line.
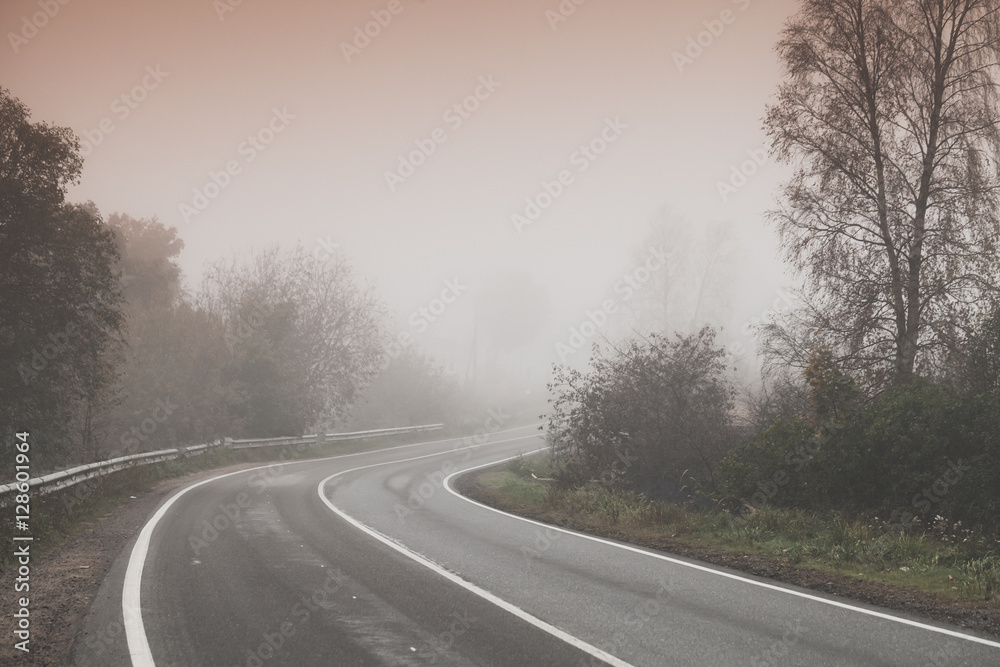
135, 632
454, 578
704, 568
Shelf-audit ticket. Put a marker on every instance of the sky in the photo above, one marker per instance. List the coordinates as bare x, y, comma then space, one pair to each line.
447, 149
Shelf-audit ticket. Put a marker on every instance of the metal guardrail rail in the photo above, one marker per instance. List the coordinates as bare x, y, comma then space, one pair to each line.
71, 476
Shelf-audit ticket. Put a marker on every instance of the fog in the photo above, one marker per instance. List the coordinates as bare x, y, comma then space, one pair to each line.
500, 172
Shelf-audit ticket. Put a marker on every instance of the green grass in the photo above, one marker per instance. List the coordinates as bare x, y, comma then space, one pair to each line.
938, 558
517, 490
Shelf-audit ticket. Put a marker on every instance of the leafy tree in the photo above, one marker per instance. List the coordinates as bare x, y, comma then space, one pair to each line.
268, 373
172, 381
304, 338
151, 276
173, 384
889, 114
37, 161
61, 316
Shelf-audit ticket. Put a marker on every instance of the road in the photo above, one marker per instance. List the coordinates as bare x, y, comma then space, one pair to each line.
373, 559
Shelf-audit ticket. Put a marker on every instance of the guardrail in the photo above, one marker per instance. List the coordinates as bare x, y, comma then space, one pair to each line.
330, 437
66, 478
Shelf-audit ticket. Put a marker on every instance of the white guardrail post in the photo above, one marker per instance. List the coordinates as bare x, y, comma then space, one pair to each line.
71, 476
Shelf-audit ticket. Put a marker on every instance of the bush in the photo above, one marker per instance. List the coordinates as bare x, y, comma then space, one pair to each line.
764, 470
975, 499
892, 448
651, 416
918, 451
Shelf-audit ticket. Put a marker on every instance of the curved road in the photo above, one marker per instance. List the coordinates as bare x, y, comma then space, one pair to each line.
372, 559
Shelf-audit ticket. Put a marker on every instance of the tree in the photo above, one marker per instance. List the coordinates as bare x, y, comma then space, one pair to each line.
691, 285
171, 379
889, 113
174, 383
780, 395
304, 338
151, 276
61, 319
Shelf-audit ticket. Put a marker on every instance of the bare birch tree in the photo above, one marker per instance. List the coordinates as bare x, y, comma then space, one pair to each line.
889, 113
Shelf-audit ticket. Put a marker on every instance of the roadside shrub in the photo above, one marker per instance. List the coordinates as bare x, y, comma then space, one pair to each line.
919, 450
886, 450
975, 497
655, 415
781, 394
764, 470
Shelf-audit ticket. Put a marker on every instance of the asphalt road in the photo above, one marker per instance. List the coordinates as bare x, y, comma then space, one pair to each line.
372, 559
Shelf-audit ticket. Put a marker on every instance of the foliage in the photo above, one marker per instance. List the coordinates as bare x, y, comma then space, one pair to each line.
647, 415
919, 450
151, 277
304, 338
831, 391
975, 366
780, 395
61, 319
753, 473
176, 354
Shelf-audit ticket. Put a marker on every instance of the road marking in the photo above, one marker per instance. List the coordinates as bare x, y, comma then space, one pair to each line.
454, 578
135, 631
705, 568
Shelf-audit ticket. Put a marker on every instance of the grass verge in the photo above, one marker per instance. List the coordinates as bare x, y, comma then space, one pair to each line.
941, 559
